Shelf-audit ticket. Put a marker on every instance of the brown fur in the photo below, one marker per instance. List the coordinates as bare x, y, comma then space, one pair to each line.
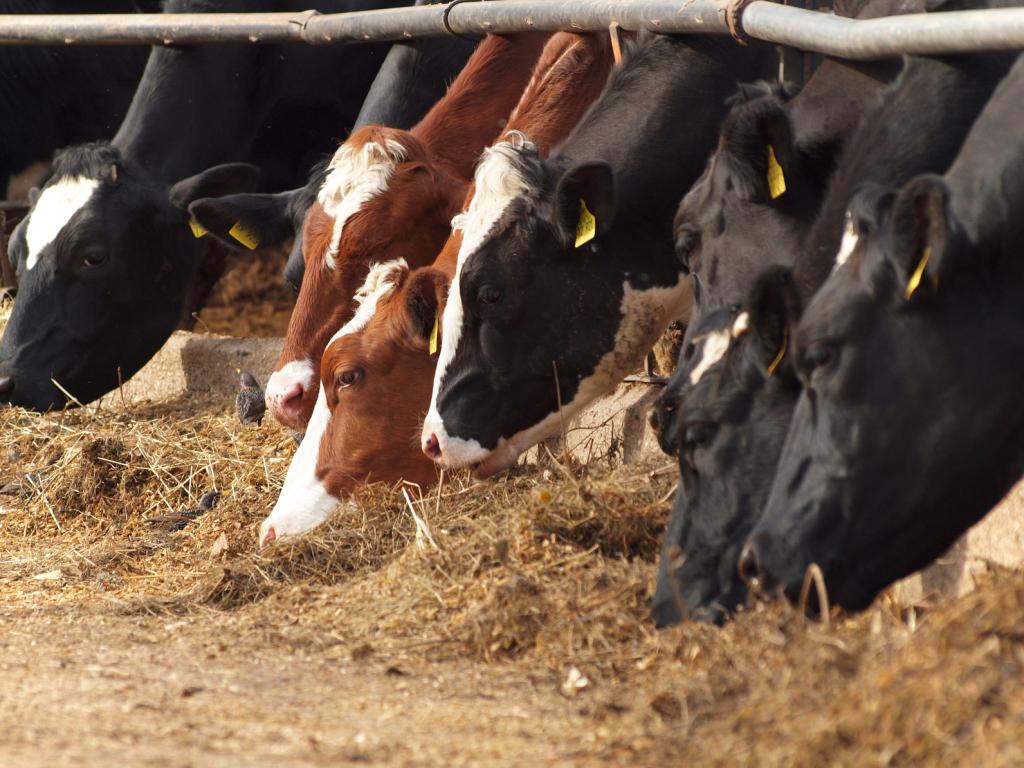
378, 437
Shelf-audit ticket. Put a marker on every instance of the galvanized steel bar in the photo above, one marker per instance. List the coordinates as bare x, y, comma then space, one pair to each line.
948, 32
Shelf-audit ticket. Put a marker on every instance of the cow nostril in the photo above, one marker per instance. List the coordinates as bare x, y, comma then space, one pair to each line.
749, 566
268, 537
431, 447
6, 386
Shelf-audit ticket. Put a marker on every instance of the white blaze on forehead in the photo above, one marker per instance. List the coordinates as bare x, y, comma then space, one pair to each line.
848, 243
355, 176
381, 281
498, 181
53, 210
715, 345
740, 325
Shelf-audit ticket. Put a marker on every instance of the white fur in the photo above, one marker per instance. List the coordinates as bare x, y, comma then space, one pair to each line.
53, 210
848, 244
498, 182
356, 175
714, 348
304, 502
740, 325
645, 314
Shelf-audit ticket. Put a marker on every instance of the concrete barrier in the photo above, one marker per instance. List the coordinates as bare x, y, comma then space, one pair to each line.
613, 430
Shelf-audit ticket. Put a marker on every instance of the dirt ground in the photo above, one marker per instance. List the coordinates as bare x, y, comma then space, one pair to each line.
504, 623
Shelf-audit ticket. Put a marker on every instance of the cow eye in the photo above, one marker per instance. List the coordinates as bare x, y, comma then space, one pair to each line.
687, 242
697, 435
819, 358
489, 294
348, 377
94, 258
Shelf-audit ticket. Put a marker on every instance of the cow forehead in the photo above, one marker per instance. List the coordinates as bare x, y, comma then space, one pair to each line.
356, 175
53, 210
381, 282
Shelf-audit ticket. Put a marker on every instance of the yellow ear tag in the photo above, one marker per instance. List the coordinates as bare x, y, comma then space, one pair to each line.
915, 279
198, 230
244, 235
433, 334
586, 229
776, 179
781, 354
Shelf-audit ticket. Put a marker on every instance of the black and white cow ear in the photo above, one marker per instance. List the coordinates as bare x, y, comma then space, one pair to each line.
774, 310
217, 181
245, 221
425, 297
585, 201
920, 228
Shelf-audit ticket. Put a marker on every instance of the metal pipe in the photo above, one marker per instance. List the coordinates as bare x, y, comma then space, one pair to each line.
947, 32
919, 33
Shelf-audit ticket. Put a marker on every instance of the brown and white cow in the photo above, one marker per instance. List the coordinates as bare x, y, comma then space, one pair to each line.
390, 194
377, 371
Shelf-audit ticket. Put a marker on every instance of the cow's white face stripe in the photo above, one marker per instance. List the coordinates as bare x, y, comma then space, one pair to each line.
304, 502
848, 244
53, 210
356, 175
498, 181
713, 349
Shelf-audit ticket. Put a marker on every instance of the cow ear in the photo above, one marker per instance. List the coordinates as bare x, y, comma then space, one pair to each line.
585, 202
245, 220
759, 138
774, 310
920, 229
215, 182
424, 300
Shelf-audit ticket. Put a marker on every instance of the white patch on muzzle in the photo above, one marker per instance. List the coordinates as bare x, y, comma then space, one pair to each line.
282, 382
498, 181
304, 502
53, 210
356, 176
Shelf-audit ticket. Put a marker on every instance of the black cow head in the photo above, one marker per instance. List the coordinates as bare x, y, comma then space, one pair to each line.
105, 261
544, 309
903, 434
728, 430
755, 199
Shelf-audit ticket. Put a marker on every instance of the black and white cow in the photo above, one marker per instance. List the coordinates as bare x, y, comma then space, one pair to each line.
740, 388
108, 226
53, 96
566, 274
908, 428
413, 77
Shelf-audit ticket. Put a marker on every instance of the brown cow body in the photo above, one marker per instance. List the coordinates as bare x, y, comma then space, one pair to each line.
377, 371
391, 194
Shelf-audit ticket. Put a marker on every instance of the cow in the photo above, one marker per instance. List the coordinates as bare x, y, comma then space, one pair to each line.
907, 428
414, 75
106, 248
378, 369
54, 96
391, 194
566, 275
740, 386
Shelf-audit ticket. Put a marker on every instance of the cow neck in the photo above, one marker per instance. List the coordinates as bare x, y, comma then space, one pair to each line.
568, 78
936, 99
656, 124
472, 114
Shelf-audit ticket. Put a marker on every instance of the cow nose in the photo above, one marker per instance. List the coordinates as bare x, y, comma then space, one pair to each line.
749, 565
6, 387
285, 403
432, 447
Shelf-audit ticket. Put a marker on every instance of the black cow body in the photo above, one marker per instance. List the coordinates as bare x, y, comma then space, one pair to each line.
534, 321
194, 107
53, 96
907, 431
412, 78
729, 425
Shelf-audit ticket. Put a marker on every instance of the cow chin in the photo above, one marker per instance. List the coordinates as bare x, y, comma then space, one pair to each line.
501, 458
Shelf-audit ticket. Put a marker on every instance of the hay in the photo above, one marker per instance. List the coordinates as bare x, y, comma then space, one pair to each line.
547, 572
